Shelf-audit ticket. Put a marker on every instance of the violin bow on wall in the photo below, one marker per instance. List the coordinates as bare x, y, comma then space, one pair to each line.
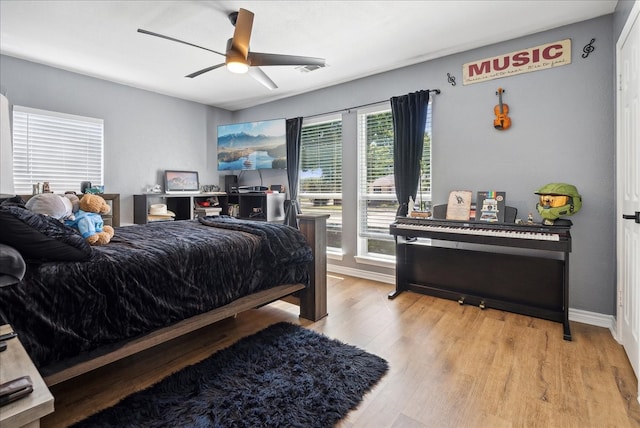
502, 120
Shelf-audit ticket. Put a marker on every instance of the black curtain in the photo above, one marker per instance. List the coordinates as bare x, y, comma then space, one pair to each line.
294, 132
409, 119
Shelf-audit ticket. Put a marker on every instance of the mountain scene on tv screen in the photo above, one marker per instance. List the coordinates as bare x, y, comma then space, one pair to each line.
177, 180
246, 150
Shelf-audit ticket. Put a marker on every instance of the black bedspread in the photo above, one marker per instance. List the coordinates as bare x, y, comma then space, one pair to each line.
148, 277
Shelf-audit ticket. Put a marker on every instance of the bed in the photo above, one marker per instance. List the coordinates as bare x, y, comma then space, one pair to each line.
77, 307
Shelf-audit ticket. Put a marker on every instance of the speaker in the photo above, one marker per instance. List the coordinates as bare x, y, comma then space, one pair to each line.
231, 183
84, 185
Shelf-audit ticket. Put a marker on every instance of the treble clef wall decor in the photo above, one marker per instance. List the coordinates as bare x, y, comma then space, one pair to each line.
588, 48
451, 79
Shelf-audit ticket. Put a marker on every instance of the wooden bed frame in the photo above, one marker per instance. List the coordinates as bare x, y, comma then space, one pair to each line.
312, 301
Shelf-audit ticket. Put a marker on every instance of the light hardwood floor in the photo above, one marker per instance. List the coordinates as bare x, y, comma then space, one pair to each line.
450, 365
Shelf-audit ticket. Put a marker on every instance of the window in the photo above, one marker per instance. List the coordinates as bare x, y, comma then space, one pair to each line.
59, 148
320, 177
377, 202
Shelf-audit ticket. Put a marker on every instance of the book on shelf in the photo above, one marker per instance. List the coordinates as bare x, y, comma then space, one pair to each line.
207, 211
472, 211
490, 206
153, 218
459, 205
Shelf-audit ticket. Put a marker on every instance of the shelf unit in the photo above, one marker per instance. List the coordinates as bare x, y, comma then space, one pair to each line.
252, 206
182, 205
257, 205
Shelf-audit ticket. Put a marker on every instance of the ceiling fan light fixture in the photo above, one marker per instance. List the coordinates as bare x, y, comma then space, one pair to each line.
236, 63
240, 60
237, 67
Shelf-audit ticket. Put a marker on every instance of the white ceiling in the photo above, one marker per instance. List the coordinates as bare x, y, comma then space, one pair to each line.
357, 38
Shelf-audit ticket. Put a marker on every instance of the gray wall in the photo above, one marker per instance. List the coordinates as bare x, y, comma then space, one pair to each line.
623, 9
144, 132
563, 130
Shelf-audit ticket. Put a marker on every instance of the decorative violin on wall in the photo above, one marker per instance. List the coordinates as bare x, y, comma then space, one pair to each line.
502, 120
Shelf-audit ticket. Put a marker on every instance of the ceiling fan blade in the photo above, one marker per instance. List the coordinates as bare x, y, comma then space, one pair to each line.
151, 33
261, 77
266, 59
242, 33
204, 70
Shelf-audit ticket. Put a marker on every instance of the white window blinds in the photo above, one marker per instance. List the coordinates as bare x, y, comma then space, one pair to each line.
377, 192
376, 189
320, 175
55, 147
321, 158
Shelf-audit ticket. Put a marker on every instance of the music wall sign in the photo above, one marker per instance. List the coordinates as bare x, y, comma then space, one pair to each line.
538, 58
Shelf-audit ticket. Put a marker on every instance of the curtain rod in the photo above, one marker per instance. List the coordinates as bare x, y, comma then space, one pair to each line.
436, 91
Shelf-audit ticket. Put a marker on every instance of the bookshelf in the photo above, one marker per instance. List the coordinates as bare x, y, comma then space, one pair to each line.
253, 206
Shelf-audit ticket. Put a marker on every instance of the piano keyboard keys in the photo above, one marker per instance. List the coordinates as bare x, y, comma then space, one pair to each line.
505, 233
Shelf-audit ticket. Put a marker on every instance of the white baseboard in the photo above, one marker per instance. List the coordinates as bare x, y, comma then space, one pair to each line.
365, 274
593, 318
577, 315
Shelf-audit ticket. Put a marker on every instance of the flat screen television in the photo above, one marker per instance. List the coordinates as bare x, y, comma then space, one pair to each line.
181, 182
252, 145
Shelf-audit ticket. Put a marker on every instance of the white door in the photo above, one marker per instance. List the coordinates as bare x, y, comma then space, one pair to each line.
628, 188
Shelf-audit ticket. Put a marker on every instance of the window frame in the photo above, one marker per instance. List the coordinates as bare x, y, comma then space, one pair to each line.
363, 255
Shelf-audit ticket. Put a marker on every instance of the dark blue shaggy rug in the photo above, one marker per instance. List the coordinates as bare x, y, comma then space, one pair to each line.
282, 376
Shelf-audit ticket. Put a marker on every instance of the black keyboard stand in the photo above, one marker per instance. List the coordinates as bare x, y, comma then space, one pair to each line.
481, 270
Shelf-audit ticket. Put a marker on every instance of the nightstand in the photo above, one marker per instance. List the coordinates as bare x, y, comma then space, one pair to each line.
27, 411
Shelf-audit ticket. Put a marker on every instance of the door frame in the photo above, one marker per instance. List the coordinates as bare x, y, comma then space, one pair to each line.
632, 19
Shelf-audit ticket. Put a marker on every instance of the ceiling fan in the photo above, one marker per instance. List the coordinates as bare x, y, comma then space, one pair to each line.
238, 57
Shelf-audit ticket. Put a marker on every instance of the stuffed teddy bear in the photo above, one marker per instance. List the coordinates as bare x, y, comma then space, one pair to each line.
52, 205
88, 220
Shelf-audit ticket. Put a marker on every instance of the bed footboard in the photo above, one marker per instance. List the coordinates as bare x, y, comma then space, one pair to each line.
313, 299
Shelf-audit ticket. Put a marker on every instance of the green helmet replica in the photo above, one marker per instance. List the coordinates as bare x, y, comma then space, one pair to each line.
557, 200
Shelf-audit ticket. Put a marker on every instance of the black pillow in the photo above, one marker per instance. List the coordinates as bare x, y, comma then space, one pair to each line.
12, 266
40, 237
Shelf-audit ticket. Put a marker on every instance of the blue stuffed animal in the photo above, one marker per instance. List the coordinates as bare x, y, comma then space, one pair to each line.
89, 222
